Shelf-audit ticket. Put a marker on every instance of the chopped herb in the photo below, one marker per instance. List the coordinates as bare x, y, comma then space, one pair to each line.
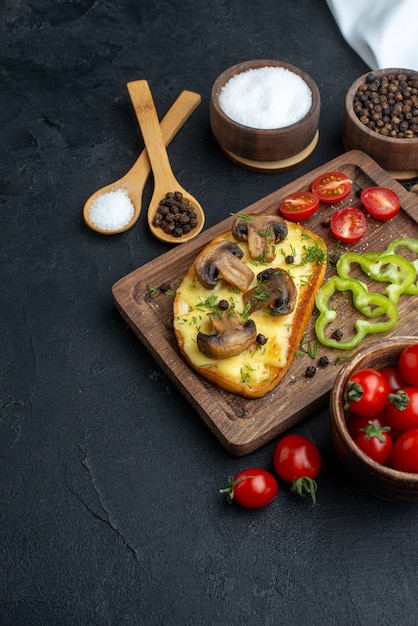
245, 373
305, 280
152, 291
242, 216
262, 292
311, 348
314, 254
246, 311
289, 258
342, 358
208, 304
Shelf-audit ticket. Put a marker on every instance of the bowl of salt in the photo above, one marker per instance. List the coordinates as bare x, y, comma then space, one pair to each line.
265, 115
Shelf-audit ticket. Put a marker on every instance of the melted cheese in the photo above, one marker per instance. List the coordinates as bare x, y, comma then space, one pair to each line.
253, 364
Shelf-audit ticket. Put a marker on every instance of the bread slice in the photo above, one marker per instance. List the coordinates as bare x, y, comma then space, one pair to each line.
259, 367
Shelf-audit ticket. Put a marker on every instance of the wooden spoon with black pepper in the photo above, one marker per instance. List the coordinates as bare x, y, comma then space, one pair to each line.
164, 179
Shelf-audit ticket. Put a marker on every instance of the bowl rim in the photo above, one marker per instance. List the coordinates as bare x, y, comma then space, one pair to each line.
340, 424
349, 99
244, 66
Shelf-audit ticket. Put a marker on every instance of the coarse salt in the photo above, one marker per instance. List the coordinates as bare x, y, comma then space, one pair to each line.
266, 98
112, 210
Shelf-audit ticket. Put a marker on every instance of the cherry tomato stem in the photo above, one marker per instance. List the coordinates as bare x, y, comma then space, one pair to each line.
252, 488
297, 461
305, 486
376, 442
366, 392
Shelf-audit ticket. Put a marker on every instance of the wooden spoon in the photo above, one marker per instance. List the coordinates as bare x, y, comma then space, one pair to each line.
164, 179
134, 180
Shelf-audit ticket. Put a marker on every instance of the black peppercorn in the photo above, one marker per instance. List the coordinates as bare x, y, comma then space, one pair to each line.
310, 371
261, 339
323, 361
165, 287
337, 335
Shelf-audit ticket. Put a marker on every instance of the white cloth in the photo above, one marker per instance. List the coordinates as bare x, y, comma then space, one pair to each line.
384, 33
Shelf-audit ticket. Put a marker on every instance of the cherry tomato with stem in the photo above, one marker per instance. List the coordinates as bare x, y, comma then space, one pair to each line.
366, 392
376, 442
252, 488
394, 378
331, 187
408, 364
405, 452
348, 225
297, 460
357, 423
382, 203
299, 206
402, 410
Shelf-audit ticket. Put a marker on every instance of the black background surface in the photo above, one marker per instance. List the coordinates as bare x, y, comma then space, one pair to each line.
110, 512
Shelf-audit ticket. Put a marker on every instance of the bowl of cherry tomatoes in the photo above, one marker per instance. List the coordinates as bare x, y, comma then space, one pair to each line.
374, 418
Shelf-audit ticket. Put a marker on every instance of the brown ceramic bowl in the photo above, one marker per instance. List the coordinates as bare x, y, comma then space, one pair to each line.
397, 156
265, 150
380, 480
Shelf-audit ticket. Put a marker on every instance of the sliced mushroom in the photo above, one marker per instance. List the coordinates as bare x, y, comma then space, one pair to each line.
232, 336
262, 232
223, 260
275, 293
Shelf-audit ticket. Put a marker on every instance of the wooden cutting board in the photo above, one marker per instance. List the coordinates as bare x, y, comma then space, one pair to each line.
243, 425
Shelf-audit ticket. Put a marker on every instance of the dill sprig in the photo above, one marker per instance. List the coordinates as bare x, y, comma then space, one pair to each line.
314, 254
242, 216
311, 348
152, 291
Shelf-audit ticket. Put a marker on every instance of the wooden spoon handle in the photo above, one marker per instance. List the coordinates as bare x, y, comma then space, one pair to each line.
151, 131
173, 120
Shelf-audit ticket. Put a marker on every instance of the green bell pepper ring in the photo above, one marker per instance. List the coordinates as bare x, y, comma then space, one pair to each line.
401, 242
365, 302
386, 268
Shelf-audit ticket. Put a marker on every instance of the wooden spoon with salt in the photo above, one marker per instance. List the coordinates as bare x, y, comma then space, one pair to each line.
164, 179
133, 182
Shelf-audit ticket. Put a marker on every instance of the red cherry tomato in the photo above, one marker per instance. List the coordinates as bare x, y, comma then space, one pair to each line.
376, 442
297, 460
331, 187
299, 206
380, 202
252, 488
366, 392
408, 364
348, 225
402, 410
355, 423
394, 378
405, 452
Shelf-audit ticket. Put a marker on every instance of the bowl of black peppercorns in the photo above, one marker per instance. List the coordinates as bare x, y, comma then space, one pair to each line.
381, 119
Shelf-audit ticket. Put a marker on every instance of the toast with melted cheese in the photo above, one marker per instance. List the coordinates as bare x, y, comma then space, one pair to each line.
241, 310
